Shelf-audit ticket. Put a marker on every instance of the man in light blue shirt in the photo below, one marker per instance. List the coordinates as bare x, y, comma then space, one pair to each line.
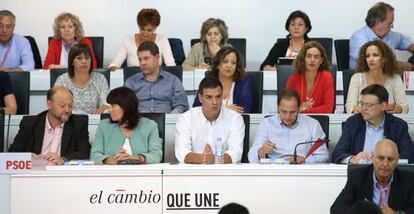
278, 134
157, 90
15, 51
379, 20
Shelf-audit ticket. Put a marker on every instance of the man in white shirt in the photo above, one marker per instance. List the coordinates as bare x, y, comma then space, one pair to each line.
199, 129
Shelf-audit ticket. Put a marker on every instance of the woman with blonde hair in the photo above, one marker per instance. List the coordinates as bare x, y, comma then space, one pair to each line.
68, 31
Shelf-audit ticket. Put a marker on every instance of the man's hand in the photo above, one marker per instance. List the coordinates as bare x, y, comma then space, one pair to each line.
360, 156
52, 158
299, 159
387, 210
266, 149
208, 156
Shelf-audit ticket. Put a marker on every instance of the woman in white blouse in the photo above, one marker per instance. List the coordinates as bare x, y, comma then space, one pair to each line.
377, 64
148, 20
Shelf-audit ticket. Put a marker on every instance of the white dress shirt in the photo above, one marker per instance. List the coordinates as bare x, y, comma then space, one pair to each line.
194, 131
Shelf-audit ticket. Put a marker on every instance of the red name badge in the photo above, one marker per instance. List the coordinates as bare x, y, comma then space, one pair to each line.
11, 163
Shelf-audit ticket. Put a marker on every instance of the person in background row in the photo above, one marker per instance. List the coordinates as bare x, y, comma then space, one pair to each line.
15, 50
126, 135
298, 25
362, 131
391, 189
377, 65
228, 67
201, 130
89, 88
213, 36
56, 135
233, 208
157, 90
148, 20
67, 32
7, 98
277, 135
313, 80
380, 21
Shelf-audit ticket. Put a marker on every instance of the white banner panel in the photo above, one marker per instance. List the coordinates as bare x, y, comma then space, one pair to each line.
92, 193
262, 189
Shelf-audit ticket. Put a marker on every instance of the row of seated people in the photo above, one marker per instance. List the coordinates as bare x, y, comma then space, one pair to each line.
161, 91
68, 31
203, 133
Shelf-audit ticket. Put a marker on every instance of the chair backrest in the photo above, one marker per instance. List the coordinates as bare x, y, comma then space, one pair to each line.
257, 87
246, 144
342, 53
327, 43
283, 73
159, 119
177, 50
20, 82
36, 54
324, 121
333, 71
2, 149
56, 72
176, 70
346, 79
238, 43
98, 48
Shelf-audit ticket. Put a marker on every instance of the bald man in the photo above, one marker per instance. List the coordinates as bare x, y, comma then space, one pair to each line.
54, 135
389, 188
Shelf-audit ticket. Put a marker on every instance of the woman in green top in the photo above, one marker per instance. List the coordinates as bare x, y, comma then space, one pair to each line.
126, 135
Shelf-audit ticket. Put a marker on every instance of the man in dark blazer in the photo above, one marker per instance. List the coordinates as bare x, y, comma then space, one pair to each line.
362, 131
391, 189
54, 135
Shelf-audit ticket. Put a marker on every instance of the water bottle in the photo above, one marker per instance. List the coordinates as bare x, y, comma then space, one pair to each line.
219, 157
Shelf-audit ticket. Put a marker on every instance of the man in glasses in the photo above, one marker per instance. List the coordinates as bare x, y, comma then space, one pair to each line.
362, 131
15, 51
278, 134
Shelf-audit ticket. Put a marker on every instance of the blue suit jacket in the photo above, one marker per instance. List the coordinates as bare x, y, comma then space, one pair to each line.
352, 139
242, 94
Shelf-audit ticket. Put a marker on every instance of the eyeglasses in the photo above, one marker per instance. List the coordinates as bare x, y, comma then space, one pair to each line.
8, 27
368, 105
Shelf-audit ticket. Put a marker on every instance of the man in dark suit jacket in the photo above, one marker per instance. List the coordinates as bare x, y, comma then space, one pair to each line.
354, 145
391, 189
66, 136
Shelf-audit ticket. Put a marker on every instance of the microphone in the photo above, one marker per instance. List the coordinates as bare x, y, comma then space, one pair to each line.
316, 144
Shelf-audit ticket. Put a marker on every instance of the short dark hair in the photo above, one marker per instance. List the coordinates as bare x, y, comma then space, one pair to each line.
149, 46
377, 13
233, 208
299, 14
128, 101
148, 16
209, 82
287, 94
219, 58
364, 207
52, 91
75, 51
376, 90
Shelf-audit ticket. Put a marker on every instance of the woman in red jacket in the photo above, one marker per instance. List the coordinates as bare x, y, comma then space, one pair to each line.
68, 31
312, 79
